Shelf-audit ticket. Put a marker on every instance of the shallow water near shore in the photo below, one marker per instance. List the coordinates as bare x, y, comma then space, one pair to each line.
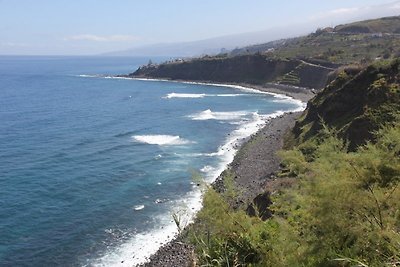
92, 169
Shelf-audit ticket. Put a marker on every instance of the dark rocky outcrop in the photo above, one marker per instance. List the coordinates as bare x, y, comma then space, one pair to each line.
260, 205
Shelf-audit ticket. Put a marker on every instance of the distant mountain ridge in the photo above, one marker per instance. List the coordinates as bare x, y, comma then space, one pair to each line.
212, 46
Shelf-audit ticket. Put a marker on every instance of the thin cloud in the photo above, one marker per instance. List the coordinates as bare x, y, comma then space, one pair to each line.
102, 38
12, 44
342, 11
363, 12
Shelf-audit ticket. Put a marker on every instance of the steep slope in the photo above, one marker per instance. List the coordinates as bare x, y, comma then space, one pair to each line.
356, 104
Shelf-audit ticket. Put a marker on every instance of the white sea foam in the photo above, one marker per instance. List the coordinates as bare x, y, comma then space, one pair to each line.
161, 140
158, 200
89, 76
281, 97
213, 115
287, 99
176, 95
187, 95
138, 249
138, 207
228, 95
207, 169
227, 151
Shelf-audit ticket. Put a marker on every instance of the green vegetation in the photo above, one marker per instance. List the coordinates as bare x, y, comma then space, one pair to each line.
345, 206
346, 217
291, 77
223, 236
342, 207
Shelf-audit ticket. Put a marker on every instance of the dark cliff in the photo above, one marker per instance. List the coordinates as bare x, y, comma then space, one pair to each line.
252, 69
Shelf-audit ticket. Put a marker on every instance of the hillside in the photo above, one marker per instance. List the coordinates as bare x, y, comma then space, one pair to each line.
356, 104
390, 25
361, 41
330, 207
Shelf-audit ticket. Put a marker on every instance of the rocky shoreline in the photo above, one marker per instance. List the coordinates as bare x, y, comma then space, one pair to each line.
253, 167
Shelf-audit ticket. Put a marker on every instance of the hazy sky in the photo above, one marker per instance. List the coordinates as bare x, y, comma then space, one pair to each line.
96, 26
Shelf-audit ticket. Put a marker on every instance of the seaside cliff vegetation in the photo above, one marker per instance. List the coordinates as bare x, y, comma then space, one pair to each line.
340, 205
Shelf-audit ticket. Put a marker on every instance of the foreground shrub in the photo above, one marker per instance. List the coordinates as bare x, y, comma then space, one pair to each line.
344, 210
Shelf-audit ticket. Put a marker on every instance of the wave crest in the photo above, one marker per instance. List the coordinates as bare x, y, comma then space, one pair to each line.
161, 140
187, 95
138, 207
212, 115
176, 95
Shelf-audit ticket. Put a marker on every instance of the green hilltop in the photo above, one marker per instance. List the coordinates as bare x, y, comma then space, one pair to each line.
389, 25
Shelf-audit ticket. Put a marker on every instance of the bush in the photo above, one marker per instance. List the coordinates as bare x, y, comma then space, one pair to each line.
346, 205
343, 211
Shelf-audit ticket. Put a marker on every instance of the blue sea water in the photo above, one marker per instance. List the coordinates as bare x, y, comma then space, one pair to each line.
91, 169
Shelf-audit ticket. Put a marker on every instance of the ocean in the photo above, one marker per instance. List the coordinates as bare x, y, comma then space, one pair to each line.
92, 168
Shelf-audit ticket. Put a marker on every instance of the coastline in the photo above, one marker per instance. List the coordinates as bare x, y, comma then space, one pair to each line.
254, 165
279, 90
299, 93
269, 130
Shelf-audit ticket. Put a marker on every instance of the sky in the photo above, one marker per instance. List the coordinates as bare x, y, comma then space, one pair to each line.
85, 27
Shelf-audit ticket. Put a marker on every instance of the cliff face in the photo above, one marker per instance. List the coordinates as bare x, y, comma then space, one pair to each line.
252, 69
355, 103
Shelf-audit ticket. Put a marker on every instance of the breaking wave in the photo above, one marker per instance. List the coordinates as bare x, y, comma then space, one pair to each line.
161, 140
213, 115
